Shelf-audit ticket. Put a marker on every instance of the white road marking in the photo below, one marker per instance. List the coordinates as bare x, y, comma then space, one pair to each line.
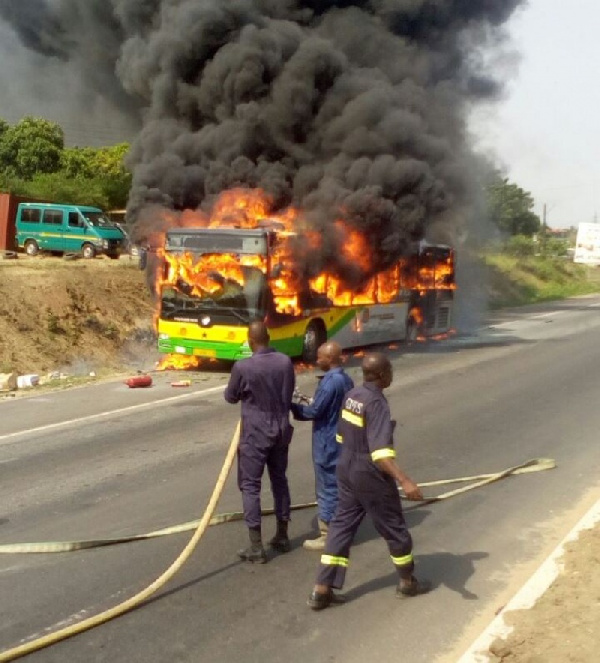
4, 439
529, 594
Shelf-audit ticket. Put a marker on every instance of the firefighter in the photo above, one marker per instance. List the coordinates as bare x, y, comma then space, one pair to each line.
367, 476
324, 411
264, 383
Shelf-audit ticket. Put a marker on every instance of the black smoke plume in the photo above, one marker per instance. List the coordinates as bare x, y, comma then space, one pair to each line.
353, 110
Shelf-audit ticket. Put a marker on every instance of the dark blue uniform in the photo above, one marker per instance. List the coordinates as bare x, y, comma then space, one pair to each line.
324, 411
365, 430
264, 383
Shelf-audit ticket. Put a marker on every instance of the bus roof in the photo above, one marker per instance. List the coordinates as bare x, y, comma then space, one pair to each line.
248, 232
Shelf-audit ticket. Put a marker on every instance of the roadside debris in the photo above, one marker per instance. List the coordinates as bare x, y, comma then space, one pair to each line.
13, 381
181, 383
139, 381
26, 381
8, 381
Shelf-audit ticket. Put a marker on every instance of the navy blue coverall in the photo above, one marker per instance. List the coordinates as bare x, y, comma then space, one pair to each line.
365, 430
324, 412
264, 383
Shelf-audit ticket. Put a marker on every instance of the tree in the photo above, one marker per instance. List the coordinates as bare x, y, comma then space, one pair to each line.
34, 162
105, 166
95, 162
55, 187
31, 146
511, 208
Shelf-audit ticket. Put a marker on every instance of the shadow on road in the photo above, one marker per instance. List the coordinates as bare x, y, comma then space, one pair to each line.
441, 569
450, 570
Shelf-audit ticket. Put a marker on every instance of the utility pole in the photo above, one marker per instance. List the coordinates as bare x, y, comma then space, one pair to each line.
544, 217
543, 232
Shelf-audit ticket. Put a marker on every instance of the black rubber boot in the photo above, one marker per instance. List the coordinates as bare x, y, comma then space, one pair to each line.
416, 588
318, 601
255, 552
280, 541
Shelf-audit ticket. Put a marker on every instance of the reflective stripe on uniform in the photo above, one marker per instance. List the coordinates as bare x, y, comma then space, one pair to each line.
339, 438
402, 561
383, 453
332, 560
353, 419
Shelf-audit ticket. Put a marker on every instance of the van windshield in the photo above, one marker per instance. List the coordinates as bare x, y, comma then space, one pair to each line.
97, 219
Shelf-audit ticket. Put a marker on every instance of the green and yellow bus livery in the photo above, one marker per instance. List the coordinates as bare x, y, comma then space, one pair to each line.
202, 322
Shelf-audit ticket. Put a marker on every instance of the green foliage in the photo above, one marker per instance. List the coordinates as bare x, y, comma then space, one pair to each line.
31, 146
514, 281
93, 162
35, 163
520, 246
56, 188
511, 208
553, 246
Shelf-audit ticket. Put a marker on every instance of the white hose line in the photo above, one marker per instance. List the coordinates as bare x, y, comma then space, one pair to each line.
534, 465
125, 606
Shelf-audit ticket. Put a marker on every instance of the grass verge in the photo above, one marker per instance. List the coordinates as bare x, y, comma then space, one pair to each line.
520, 281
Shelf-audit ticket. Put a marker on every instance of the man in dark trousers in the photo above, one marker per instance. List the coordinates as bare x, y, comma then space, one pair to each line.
367, 483
264, 383
324, 412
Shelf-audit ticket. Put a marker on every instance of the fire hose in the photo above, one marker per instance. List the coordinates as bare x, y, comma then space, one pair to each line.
129, 604
200, 526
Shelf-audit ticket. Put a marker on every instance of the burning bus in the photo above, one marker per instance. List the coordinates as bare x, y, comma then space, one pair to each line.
213, 281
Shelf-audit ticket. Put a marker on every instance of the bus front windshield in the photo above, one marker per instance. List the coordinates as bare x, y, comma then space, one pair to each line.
227, 299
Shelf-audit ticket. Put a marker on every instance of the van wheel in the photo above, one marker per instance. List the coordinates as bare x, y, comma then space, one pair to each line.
31, 247
88, 251
314, 336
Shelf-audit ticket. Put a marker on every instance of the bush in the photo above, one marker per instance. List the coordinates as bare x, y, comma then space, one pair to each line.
520, 246
556, 247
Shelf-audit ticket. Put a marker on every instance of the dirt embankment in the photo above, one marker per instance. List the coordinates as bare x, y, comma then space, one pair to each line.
74, 316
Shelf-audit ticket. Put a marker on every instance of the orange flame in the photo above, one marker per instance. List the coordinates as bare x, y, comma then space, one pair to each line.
177, 363
250, 208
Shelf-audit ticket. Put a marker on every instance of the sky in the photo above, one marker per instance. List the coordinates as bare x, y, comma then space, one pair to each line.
546, 130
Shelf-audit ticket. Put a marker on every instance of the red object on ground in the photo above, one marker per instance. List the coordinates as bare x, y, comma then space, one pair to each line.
139, 381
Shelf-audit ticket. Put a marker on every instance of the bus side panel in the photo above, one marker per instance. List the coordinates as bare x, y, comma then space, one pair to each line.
370, 324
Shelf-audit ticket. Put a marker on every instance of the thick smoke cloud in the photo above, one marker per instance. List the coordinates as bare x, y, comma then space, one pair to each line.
344, 109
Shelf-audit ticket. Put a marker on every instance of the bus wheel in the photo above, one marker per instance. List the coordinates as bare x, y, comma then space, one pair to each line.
314, 337
31, 247
88, 251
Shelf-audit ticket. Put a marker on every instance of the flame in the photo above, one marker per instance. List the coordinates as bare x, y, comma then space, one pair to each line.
208, 273
205, 275
177, 363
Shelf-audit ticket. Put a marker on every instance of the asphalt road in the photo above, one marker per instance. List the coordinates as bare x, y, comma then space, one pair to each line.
106, 461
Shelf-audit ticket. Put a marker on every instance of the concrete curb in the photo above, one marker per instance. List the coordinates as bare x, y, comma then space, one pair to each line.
531, 591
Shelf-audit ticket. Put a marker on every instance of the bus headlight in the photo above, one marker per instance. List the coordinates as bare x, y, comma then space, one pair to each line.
163, 337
